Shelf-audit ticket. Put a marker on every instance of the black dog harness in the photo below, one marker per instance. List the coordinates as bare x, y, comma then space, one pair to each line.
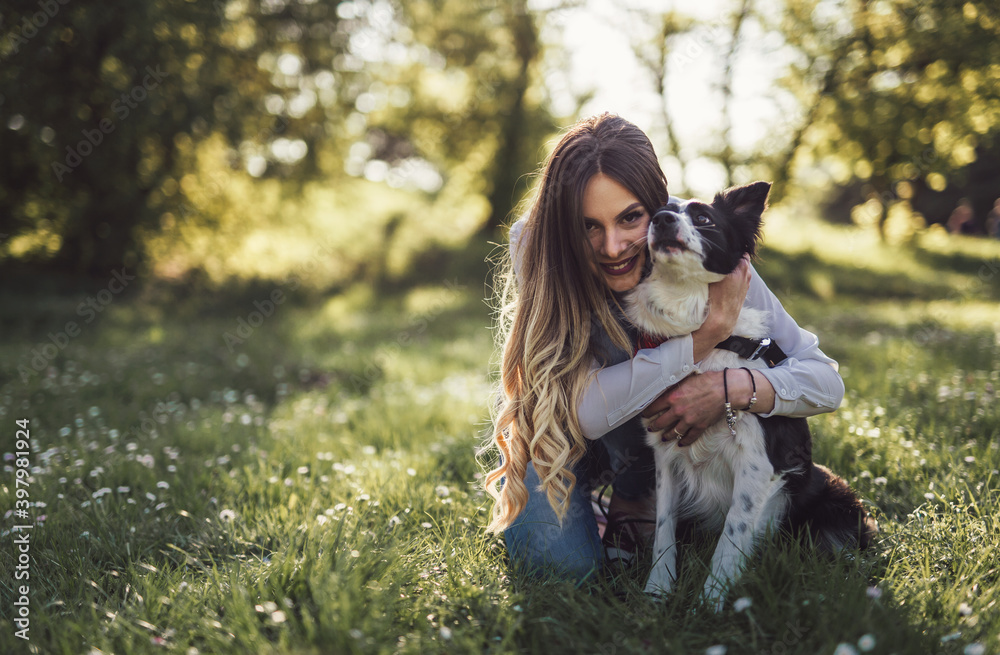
749, 349
752, 349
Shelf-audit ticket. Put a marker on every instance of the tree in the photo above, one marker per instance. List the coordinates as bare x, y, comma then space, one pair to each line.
95, 161
475, 110
108, 101
896, 90
662, 57
654, 56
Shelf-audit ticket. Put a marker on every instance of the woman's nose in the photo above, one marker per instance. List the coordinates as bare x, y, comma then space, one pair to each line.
614, 244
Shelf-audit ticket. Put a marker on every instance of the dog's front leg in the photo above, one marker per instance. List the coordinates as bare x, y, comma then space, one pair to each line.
664, 571
751, 490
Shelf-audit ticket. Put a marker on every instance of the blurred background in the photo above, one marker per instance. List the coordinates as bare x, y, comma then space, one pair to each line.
245, 306
206, 143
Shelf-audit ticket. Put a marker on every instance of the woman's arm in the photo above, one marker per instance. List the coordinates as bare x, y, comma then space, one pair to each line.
619, 392
806, 383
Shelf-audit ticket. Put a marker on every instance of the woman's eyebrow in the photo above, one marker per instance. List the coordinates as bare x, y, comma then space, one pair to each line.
629, 208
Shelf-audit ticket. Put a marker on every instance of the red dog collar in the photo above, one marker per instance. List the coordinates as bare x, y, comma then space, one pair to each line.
648, 341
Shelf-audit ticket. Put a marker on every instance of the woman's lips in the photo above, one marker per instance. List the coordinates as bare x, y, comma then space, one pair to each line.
620, 268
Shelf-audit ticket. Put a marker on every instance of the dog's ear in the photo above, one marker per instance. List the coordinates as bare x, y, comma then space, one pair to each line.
746, 204
749, 200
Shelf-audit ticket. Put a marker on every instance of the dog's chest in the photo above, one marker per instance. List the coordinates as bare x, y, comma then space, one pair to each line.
703, 474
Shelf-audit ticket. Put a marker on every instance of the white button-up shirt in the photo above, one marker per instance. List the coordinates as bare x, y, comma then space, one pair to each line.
805, 384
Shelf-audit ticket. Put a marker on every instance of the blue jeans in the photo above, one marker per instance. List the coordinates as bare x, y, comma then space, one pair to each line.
537, 543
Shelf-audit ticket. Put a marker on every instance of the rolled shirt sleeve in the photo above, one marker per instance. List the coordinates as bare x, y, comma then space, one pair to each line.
619, 392
805, 384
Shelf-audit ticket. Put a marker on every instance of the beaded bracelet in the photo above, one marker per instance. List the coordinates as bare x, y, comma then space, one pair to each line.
730, 414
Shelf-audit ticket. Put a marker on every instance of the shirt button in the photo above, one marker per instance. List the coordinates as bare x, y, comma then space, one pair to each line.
673, 378
686, 368
784, 392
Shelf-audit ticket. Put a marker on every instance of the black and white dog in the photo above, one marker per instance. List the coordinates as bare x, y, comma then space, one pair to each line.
759, 476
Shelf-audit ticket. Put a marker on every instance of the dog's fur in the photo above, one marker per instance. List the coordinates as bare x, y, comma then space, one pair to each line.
764, 477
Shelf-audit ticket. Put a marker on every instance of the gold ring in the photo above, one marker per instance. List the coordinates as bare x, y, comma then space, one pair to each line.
680, 435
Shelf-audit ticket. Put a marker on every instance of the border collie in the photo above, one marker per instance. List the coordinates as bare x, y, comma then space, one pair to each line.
745, 476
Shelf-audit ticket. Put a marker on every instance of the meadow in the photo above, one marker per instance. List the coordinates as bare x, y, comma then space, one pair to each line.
232, 476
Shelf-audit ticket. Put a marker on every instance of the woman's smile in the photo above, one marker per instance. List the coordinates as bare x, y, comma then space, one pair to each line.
621, 268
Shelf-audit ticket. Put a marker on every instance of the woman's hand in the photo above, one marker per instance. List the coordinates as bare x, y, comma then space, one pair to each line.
688, 408
725, 299
698, 402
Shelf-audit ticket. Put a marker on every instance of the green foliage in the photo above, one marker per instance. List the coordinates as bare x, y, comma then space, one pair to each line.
102, 155
478, 112
166, 109
895, 91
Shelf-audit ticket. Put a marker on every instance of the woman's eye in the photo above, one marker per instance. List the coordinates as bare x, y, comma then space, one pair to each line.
632, 216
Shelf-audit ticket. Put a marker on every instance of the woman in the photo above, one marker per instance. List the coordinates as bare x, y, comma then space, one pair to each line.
571, 389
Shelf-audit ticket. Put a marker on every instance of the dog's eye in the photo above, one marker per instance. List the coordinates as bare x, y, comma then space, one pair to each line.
702, 220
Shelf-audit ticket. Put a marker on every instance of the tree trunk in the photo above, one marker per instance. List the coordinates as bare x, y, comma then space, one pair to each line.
513, 127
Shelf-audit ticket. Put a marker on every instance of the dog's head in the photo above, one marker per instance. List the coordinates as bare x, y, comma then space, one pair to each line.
691, 236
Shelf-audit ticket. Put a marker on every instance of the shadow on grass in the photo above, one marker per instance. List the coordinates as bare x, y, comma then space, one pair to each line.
808, 275
984, 268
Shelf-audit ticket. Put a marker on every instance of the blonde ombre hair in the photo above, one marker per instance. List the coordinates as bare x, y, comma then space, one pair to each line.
546, 308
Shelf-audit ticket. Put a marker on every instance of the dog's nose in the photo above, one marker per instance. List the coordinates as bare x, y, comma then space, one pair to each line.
663, 216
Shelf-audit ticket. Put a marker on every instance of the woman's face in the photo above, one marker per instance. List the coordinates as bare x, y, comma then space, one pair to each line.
616, 224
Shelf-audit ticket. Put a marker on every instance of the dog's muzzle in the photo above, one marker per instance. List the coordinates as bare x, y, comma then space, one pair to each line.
664, 230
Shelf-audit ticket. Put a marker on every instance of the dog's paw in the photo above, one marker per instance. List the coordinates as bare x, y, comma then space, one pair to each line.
713, 596
659, 584
656, 595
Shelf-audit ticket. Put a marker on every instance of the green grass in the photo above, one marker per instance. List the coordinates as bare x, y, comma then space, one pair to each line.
315, 488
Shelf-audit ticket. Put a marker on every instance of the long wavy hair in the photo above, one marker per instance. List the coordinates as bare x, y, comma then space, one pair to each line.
546, 308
